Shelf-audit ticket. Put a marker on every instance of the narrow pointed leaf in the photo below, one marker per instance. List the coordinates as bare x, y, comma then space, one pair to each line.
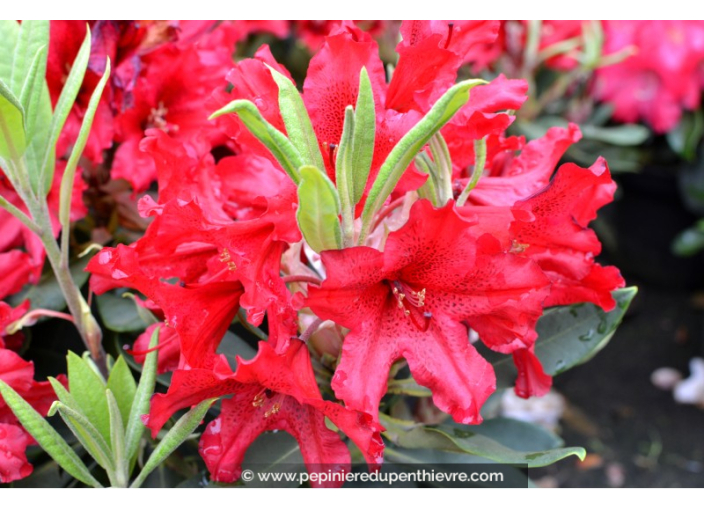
86, 434
63, 107
569, 336
298, 125
64, 396
88, 389
117, 441
43, 433
344, 176
70, 171
318, 210
31, 95
123, 387
280, 147
140, 403
364, 136
183, 428
13, 139
408, 147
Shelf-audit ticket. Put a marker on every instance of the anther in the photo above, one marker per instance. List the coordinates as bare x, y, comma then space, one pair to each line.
274, 409
450, 29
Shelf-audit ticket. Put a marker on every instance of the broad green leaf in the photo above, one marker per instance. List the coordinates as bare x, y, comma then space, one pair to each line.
87, 434
88, 389
364, 136
569, 336
47, 293
183, 428
280, 147
120, 314
318, 210
408, 147
63, 107
33, 41
473, 440
33, 35
298, 126
117, 441
140, 403
123, 388
9, 33
69, 176
518, 435
43, 433
13, 139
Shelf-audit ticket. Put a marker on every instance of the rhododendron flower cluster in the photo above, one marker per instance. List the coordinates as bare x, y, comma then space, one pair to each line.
399, 211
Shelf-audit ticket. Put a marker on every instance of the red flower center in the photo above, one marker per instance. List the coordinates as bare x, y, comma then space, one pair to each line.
412, 303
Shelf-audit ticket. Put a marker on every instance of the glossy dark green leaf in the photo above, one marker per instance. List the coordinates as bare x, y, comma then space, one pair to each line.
47, 293
318, 210
120, 314
569, 336
689, 242
473, 440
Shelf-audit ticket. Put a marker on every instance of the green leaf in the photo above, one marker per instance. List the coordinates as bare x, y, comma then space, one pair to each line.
117, 441
183, 428
274, 452
120, 314
13, 139
33, 34
344, 176
232, 346
64, 396
280, 147
9, 33
69, 176
63, 107
623, 135
88, 389
689, 242
569, 336
474, 440
318, 210
47, 293
140, 403
122, 386
519, 435
87, 435
408, 387
408, 147
50, 440
31, 52
298, 126
364, 135
32, 95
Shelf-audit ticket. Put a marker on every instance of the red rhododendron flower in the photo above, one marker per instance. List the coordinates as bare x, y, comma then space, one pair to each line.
273, 391
413, 300
660, 79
